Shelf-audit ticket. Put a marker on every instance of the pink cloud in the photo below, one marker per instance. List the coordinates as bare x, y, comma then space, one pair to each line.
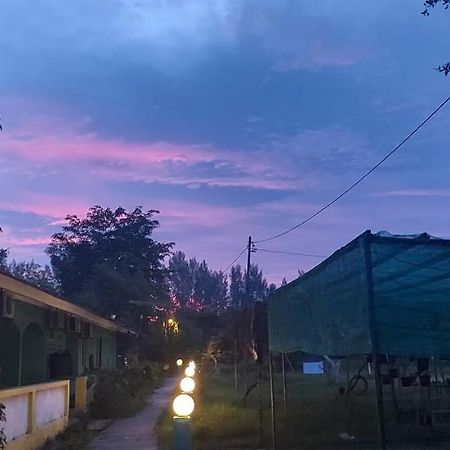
186, 214
43, 143
48, 205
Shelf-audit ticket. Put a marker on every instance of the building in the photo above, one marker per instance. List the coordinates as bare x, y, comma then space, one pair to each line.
43, 337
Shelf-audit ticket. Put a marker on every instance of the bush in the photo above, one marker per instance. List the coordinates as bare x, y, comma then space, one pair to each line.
2, 431
121, 393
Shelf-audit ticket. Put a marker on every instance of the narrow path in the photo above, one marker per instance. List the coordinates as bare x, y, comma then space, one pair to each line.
137, 432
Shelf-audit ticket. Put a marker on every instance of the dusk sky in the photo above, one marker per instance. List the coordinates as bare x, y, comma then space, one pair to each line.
231, 117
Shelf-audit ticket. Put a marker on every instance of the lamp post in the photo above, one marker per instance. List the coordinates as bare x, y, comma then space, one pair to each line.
183, 406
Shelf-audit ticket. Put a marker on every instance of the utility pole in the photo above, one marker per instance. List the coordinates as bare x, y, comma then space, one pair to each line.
247, 275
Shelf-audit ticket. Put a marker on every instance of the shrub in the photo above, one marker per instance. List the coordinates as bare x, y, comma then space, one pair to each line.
120, 393
2, 431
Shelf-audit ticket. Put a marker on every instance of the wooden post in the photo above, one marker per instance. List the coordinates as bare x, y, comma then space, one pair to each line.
283, 366
374, 340
272, 402
260, 403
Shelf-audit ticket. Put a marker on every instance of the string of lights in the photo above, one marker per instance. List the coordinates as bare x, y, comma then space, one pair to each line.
359, 180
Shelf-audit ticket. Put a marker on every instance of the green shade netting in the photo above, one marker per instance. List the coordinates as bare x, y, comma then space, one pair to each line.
326, 312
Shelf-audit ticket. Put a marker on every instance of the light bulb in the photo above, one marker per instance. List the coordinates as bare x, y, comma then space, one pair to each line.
189, 371
187, 385
179, 362
183, 405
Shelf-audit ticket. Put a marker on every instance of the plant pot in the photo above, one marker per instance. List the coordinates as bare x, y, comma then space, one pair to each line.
407, 381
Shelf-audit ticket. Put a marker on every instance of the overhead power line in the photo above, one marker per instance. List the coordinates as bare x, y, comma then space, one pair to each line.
359, 180
235, 259
289, 253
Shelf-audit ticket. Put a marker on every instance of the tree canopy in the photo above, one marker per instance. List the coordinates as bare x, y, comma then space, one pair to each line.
109, 261
429, 4
35, 274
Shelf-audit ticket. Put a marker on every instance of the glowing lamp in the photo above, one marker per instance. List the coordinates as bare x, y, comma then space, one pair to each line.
192, 364
187, 385
183, 405
179, 362
171, 321
189, 371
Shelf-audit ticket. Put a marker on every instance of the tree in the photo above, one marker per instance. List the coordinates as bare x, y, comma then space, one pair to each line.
35, 274
110, 262
180, 279
3, 256
429, 4
258, 286
2, 430
237, 286
194, 285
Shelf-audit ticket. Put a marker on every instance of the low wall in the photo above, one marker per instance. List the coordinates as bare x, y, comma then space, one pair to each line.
35, 413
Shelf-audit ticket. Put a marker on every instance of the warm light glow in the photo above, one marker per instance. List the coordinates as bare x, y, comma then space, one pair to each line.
189, 371
187, 385
171, 321
183, 405
192, 364
179, 362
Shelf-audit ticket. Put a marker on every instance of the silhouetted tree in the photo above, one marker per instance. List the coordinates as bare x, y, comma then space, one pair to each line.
110, 262
35, 274
3, 256
237, 286
180, 279
193, 284
258, 286
429, 4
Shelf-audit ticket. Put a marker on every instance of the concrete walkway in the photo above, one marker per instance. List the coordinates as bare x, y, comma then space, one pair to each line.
137, 432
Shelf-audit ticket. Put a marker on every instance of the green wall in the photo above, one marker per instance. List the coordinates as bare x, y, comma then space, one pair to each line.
26, 342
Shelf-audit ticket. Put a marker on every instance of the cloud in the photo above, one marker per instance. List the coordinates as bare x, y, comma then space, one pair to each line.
415, 193
52, 206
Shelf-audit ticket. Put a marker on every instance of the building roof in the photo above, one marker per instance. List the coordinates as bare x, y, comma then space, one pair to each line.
28, 293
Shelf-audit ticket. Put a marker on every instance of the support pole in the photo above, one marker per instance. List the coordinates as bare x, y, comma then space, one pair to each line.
182, 434
283, 366
374, 340
247, 275
260, 404
272, 402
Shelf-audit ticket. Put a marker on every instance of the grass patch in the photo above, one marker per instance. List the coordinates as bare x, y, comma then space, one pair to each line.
317, 414
75, 437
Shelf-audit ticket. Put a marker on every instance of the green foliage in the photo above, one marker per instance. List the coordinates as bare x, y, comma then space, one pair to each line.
35, 274
3, 256
429, 4
75, 437
197, 329
258, 286
110, 262
2, 431
432, 3
121, 393
193, 284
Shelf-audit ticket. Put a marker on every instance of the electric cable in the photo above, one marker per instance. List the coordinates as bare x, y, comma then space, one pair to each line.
359, 180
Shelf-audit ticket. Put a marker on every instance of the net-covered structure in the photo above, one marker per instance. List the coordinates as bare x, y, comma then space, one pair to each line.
378, 294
